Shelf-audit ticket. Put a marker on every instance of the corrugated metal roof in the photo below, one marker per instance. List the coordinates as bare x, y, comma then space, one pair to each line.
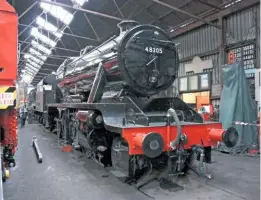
144, 11
198, 41
241, 26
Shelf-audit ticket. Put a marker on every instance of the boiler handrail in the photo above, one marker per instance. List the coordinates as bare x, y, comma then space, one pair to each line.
172, 112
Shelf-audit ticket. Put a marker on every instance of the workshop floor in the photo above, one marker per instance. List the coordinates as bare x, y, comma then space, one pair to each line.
70, 176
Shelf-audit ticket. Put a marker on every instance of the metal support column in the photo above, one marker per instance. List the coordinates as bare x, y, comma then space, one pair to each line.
221, 57
185, 13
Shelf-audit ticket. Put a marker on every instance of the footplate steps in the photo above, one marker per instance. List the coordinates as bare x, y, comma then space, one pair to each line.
37, 150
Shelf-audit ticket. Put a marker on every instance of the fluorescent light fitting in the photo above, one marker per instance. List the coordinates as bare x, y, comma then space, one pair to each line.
36, 60
57, 12
79, 2
38, 54
34, 64
26, 56
34, 52
41, 47
30, 72
48, 26
31, 67
42, 37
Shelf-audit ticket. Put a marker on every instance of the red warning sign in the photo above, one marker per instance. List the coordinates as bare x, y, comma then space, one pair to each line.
231, 57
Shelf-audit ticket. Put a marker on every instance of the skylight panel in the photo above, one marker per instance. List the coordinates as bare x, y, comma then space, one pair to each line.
34, 64
38, 54
48, 26
36, 60
41, 47
79, 2
232, 3
31, 67
28, 71
42, 37
26, 56
31, 73
58, 12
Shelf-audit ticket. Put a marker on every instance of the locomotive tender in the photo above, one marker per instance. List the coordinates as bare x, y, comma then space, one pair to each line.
111, 103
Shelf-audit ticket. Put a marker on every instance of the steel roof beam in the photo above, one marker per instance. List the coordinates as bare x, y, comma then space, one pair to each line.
209, 4
83, 10
171, 11
53, 47
214, 15
77, 36
185, 12
27, 10
119, 10
93, 29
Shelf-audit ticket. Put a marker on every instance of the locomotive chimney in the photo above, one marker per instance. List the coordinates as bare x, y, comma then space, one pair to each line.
127, 25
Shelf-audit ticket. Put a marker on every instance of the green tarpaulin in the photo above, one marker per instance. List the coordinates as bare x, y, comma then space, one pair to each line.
237, 105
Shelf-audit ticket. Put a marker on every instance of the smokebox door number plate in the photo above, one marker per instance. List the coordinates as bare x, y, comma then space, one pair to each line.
156, 50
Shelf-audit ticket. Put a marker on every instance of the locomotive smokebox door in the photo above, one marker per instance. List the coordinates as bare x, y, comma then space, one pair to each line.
148, 60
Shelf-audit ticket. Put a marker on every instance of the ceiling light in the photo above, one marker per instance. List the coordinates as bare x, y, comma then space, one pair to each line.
48, 26
38, 54
42, 37
41, 47
31, 67
58, 12
34, 64
29, 72
36, 60
26, 56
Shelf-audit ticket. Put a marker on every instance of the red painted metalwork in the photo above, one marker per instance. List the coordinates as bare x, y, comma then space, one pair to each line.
8, 41
8, 73
198, 134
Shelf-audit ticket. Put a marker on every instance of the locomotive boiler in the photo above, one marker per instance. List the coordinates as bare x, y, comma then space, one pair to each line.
115, 107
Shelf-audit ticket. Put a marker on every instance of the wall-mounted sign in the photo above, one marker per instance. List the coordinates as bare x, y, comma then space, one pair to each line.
246, 54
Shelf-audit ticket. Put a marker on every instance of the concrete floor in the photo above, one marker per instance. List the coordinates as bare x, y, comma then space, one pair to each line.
70, 176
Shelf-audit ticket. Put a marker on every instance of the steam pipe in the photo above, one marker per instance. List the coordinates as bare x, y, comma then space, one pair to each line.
172, 112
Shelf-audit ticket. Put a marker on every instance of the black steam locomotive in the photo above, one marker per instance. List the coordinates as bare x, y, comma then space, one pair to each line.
111, 102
